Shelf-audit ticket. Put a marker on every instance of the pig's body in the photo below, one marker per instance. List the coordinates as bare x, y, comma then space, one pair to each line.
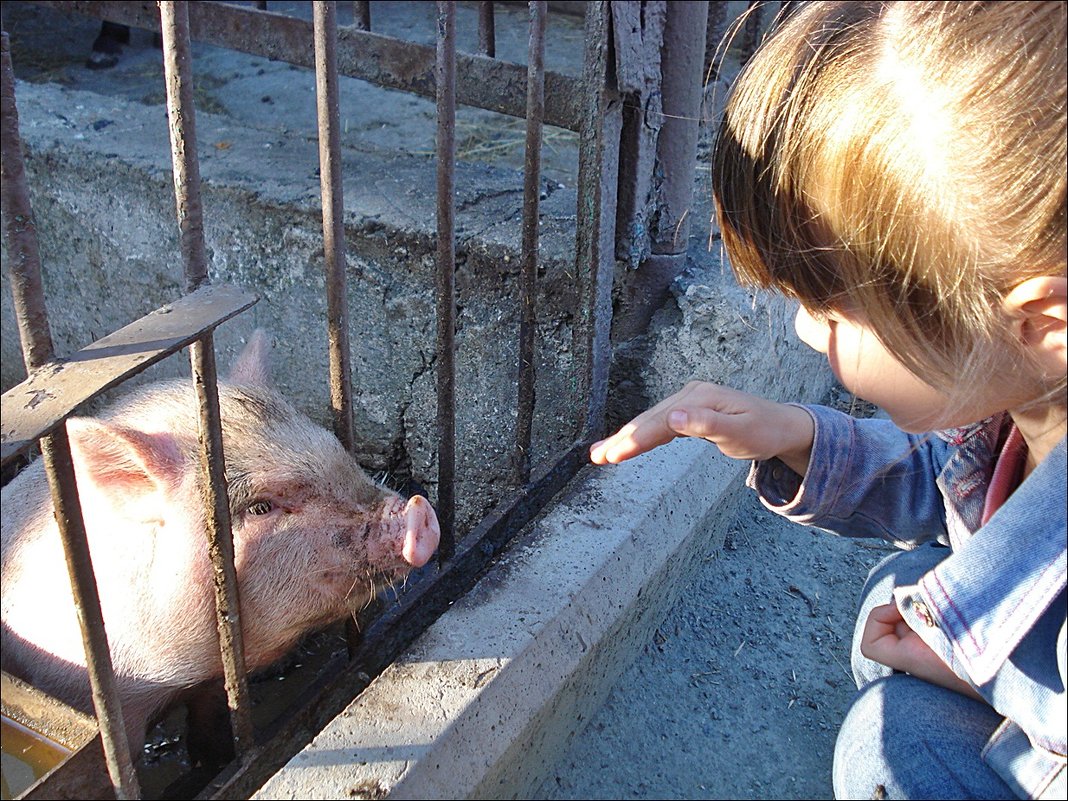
314, 539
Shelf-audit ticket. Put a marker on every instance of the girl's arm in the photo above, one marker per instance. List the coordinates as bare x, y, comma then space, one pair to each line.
814, 465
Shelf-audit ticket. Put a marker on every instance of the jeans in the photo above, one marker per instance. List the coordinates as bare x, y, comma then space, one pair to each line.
903, 737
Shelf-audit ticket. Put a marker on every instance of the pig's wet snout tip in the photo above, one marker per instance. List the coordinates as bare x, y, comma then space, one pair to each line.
421, 531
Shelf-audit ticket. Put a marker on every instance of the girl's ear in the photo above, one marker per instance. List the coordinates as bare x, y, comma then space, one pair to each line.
1039, 309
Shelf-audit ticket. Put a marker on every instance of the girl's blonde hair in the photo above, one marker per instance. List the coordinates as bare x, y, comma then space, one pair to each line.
904, 161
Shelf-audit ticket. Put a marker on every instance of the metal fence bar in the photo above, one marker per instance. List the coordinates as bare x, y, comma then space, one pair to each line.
446, 276
490, 84
26, 284
59, 467
594, 240
754, 23
337, 310
361, 15
487, 44
55, 447
529, 256
174, 25
680, 65
40, 404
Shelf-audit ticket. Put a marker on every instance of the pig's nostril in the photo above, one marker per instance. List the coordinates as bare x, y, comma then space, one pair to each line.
421, 531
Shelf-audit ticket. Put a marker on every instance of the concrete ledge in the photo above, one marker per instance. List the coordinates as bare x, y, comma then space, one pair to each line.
491, 694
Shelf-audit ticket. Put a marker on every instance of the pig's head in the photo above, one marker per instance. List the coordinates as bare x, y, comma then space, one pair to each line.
314, 537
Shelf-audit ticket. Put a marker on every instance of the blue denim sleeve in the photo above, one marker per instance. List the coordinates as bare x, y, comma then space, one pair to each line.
865, 478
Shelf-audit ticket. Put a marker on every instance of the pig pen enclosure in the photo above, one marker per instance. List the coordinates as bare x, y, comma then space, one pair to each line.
471, 306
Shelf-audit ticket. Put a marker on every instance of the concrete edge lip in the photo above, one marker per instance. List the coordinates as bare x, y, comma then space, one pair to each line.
491, 692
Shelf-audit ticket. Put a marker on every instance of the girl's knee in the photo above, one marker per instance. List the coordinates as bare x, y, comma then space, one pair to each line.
897, 742
860, 769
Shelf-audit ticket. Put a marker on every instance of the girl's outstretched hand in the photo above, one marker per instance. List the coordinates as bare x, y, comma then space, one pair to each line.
742, 426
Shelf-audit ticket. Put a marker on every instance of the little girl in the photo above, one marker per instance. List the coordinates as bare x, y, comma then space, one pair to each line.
899, 169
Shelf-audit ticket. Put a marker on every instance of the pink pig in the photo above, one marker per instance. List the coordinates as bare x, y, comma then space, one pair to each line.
314, 540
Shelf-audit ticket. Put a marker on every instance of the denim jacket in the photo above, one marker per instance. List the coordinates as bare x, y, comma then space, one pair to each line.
995, 609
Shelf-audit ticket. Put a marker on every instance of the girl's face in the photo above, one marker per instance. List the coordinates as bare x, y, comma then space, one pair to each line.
864, 367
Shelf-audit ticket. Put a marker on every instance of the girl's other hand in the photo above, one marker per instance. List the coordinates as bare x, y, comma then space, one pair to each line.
889, 640
742, 426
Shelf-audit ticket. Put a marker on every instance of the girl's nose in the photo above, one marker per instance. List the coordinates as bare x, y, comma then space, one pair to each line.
814, 333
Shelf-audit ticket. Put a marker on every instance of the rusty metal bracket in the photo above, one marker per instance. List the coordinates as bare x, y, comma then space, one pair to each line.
39, 404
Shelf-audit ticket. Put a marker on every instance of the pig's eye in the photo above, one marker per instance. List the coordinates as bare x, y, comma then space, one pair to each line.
259, 507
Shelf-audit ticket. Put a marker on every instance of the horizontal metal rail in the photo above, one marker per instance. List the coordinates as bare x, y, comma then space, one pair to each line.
482, 82
39, 404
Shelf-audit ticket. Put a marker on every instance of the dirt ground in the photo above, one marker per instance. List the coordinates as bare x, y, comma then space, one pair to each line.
740, 692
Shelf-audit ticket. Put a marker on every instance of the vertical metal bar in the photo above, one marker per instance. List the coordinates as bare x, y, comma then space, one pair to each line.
716, 26
676, 148
326, 92
529, 265
36, 339
446, 276
174, 24
487, 44
754, 22
594, 241
26, 285
361, 15
59, 467
182, 126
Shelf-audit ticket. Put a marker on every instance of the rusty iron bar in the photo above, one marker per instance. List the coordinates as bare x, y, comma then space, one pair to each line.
681, 62
174, 25
326, 93
40, 404
599, 136
446, 276
182, 128
59, 467
487, 43
25, 270
361, 15
19, 225
482, 82
529, 257
754, 22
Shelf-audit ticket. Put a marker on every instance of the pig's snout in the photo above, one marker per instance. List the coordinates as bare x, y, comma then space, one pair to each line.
421, 531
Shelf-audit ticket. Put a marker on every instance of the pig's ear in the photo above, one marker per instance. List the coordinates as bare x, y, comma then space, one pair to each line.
124, 462
253, 367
